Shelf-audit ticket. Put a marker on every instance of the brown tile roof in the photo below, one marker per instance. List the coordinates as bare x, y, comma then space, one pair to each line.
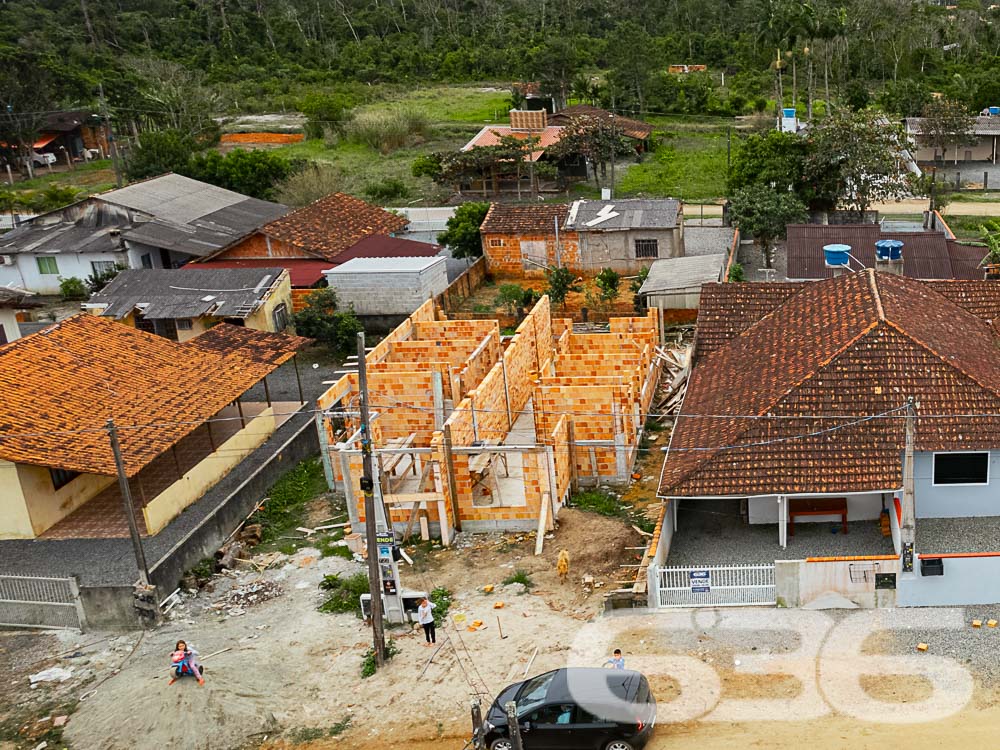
632, 128
333, 224
530, 218
926, 255
62, 384
859, 344
726, 310
491, 135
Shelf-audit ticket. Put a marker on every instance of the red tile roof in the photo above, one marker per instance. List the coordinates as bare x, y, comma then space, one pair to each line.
333, 224
62, 384
491, 135
926, 255
529, 218
626, 126
774, 408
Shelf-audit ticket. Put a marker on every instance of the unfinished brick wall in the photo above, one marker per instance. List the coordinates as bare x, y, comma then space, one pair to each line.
462, 287
258, 246
505, 255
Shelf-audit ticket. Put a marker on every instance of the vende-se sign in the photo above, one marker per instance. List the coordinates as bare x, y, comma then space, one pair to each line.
701, 581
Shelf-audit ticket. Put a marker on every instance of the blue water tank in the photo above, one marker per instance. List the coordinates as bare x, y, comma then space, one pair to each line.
836, 255
888, 249
995, 111
790, 112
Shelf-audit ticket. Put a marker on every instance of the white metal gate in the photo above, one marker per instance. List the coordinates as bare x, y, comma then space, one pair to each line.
715, 586
36, 602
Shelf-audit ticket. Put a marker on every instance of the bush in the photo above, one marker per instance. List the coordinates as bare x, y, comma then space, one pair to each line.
462, 233
344, 593
310, 184
158, 152
387, 130
511, 297
388, 190
736, 272
255, 173
441, 599
288, 497
320, 320
520, 576
368, 660
97, 281
72, 288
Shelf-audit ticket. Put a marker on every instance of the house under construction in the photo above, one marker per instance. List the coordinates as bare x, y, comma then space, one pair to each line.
477, 432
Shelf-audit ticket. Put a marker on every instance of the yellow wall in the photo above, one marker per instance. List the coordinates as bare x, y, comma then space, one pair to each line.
44, 505
263, 319
197, 481
15, 523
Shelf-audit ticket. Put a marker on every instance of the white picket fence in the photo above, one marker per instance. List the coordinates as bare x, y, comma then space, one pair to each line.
715, 586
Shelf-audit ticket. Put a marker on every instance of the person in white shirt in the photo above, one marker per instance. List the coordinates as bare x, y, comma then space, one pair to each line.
425, 616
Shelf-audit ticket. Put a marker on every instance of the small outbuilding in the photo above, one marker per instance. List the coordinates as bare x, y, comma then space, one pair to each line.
389, 288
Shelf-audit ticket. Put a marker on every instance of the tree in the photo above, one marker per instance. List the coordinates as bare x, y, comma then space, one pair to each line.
462, 235
26, 93
764, 213
159, 152
321, 320
98, 280
561, 283
510, 297
608, 282
254, 173
595, 139
554, 64
633, 59
862, 154
778, 160
947, 122
906, 98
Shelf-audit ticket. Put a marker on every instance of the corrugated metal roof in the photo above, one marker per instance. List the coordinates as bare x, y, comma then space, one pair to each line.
926, 255
385, 265
174, 198
615, 215
983, 125
187, 292
671, 274
303, 273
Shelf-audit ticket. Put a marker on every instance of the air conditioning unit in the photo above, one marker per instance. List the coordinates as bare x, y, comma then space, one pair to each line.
6, 260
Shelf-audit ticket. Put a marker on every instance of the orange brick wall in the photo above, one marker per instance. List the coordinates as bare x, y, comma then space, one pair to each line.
256, 246
505, 259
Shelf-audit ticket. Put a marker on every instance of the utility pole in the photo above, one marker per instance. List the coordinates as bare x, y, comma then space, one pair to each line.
109, 133
367, 487
614, 147
729, 147
513, 728
126, 492
908, 525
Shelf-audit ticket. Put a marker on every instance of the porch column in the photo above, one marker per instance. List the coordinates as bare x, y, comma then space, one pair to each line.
298, 378
783, 521
177, 463
211, 438
239, 408
267, 392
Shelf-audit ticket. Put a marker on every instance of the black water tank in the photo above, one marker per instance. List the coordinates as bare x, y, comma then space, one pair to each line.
931, 566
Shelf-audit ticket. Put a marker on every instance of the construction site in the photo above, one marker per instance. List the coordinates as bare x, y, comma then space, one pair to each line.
474, 431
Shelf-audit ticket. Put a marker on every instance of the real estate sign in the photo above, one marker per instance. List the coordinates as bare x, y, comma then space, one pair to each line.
701, 581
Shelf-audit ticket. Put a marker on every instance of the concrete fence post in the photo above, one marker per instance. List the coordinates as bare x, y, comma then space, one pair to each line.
81, 614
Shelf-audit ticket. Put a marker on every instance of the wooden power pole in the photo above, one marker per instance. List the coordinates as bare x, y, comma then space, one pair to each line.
368, 488
126, 491
908, 525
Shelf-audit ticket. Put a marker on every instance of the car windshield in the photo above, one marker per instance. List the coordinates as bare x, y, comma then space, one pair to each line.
533, 693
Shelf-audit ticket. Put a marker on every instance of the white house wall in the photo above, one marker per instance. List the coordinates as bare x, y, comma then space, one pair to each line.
8, 322
859, 508
966, 580
955, 501
69, 265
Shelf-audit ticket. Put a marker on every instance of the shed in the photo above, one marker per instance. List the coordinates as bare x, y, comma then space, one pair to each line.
675, 283
387, 286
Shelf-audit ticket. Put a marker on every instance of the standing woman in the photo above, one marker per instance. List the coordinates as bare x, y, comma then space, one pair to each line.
425, 616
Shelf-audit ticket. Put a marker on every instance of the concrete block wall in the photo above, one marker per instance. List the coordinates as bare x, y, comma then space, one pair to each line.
454, 329
453, 352
481, 361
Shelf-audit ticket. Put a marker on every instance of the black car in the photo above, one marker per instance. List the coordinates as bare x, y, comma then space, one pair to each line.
576, 709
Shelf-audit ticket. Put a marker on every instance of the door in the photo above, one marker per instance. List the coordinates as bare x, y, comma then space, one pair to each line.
550, 728
534, 256
591, 731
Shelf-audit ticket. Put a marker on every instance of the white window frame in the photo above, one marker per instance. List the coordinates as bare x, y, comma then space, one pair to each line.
109, 265
934, 481
183, 324
55, 264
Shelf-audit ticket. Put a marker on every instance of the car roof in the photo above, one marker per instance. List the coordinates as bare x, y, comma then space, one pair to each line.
586, 684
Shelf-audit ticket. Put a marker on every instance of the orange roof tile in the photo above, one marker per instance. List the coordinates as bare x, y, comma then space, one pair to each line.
491, 135
333, 224
807, 360
62, 384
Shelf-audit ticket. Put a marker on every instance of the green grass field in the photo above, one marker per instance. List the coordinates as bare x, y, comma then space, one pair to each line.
94, 177
464, 104
689, 164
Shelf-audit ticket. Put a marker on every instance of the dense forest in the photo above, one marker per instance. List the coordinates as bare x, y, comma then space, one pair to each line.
245, 55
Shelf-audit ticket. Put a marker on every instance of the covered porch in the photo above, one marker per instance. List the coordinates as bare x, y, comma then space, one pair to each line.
178, 476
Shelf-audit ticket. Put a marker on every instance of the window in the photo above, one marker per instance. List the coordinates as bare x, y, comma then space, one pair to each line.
496, 242
47, 265
962, 468
62, 477
533, 692
100, 267
280, 317
647, 248
558, 713
146, 260
183, 324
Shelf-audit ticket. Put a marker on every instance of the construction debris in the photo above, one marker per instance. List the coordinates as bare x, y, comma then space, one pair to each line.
977, 623
991, 623
673, 383
253, 593
922, 647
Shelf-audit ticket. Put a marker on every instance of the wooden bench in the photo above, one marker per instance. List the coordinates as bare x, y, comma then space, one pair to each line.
826, 506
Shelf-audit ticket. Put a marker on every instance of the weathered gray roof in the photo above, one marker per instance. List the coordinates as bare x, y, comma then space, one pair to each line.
674, 274
617, 215
983, 125
189, 292
171, 212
